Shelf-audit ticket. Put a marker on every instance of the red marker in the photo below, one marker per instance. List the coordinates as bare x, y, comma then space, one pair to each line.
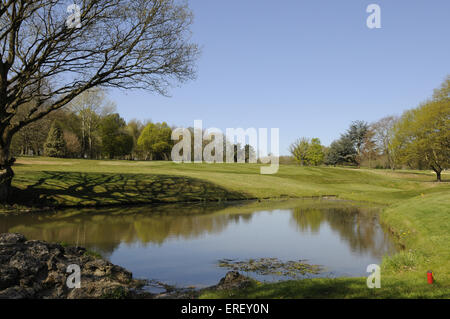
430, 277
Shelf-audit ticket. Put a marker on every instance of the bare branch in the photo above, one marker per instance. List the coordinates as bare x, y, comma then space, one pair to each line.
121, 43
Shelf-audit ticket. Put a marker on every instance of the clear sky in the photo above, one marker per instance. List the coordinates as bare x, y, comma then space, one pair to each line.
308, 67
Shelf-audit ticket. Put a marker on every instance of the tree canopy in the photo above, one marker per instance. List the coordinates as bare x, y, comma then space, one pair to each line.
299, 150
341, 151
307, 152
115, 139
155, 141
422, 136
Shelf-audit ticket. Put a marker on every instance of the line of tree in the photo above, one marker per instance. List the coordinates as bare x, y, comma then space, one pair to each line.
419, 139
89, 127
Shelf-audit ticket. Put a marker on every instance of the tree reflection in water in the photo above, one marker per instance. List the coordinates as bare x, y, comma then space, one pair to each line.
103, 230
359, 227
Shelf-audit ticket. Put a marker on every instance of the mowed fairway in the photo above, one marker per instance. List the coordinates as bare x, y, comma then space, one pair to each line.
416, 210
64, 182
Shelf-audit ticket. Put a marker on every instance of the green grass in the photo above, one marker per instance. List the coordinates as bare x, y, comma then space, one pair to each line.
62, 182
417, 210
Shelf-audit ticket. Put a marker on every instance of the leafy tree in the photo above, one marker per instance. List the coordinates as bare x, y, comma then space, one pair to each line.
307, 152
422, 136
116, 142
55, 145
155, 141
134, 128
299, 150
341, 151
314, 153
443, 93
70, 124
48, 62
124, 145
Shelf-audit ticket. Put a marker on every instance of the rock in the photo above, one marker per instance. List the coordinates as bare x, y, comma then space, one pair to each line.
8, 277
36, 269
233, 280
14, 292
12, 238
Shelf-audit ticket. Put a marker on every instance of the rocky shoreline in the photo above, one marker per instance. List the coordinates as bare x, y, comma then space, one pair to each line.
36, 269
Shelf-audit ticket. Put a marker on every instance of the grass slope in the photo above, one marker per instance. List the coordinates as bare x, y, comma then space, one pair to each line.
64, 182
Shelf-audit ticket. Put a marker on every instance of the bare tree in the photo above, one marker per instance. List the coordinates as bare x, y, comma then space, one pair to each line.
48, 58
383, 130
88, 106
369, 147
30, 139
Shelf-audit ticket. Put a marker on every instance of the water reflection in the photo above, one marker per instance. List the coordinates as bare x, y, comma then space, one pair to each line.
201, 234
358, 227
104, 229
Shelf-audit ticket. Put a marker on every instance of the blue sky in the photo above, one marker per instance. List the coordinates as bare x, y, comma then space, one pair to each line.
308, 67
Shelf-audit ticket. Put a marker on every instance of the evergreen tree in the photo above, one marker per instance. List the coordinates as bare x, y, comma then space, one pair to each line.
357, 134
55, 145
341, 152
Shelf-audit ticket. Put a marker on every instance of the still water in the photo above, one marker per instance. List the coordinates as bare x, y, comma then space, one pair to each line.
182, 244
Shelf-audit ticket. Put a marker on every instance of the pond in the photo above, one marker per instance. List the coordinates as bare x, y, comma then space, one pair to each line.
182, 245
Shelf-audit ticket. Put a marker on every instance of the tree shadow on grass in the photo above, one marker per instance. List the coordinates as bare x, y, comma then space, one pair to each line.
82, 189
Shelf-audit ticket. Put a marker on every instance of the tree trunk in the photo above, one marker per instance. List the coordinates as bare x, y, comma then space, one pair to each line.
90, 145
6, 174
437, 169
83, 136
438, 176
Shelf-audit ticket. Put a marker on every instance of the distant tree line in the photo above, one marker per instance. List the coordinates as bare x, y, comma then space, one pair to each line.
419, 139
90, 128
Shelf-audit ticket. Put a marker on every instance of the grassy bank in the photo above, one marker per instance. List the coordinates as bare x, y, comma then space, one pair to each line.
63, 182
417, 210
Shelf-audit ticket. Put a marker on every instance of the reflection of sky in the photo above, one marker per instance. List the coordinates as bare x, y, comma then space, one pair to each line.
182, 245
269, 234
